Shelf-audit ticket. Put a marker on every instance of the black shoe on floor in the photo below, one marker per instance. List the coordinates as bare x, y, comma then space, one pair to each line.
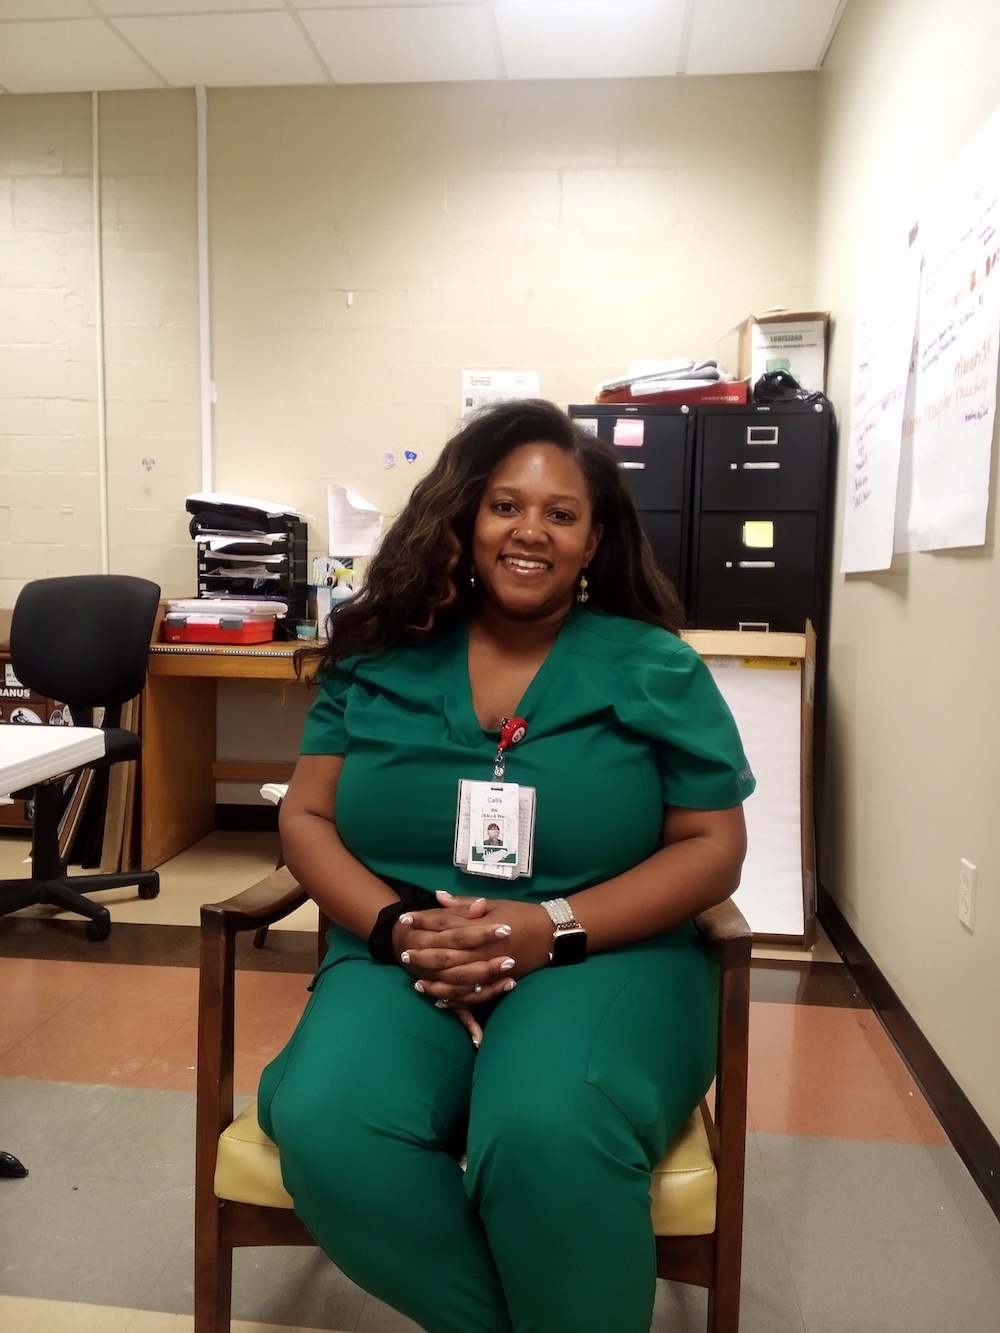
11, 1168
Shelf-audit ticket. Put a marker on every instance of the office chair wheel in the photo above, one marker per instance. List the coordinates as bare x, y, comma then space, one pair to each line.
99, 928
148, 890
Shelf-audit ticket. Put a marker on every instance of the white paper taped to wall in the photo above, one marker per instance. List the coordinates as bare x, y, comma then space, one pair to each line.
355, 524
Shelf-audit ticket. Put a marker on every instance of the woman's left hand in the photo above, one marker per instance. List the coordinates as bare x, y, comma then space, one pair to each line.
456, 977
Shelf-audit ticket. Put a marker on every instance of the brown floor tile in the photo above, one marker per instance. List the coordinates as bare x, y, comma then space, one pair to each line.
110, 1029
782, 982
814, 1071
268, 1006
43, 988
906, 1087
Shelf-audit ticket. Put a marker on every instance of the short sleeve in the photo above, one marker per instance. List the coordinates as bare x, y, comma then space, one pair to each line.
325, 731
675, 701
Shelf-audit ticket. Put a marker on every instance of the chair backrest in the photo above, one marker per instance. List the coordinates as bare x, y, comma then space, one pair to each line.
84, 639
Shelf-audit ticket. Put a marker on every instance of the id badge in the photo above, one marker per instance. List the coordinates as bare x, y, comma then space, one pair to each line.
495, 829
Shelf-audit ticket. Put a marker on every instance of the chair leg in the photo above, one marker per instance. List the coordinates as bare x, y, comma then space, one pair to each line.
724, 1296
213, 1276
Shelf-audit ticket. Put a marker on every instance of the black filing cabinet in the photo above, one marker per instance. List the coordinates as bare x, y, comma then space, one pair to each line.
654, 447
760, 530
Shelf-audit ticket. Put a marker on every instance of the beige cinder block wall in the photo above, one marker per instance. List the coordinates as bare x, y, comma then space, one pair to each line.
913, 667
564, 228
50, 483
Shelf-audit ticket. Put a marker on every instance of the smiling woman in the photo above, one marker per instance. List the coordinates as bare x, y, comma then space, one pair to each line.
531, 998
534, 534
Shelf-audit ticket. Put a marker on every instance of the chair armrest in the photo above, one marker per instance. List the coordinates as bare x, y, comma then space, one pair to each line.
725, 927
262, 904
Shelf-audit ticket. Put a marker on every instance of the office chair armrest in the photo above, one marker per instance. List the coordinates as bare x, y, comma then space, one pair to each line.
262, 904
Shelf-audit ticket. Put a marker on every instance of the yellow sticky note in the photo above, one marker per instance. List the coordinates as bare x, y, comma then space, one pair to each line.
758, 533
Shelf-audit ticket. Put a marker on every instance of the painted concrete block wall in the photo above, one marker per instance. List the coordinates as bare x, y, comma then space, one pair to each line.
565, 228
911, 783
558, 228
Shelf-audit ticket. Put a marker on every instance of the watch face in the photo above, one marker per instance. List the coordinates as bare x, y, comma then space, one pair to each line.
569, 946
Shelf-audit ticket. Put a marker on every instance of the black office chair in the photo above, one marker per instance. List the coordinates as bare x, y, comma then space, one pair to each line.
83, 640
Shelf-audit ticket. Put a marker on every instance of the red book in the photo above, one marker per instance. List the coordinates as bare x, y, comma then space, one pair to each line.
712, 391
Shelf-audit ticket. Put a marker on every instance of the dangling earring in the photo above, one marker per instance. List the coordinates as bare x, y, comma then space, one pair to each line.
582, 594
472, 578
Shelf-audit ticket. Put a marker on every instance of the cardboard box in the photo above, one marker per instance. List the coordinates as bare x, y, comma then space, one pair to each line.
769, 682
792, 340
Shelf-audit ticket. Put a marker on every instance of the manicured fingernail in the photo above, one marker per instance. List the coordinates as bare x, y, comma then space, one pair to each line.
475, 1042
419, 985
477, 901
509, 984
404, 957
507, 964
440, 1004
406, 919
443, 893
502, 932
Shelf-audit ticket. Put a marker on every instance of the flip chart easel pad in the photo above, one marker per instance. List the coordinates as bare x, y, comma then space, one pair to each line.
766, 701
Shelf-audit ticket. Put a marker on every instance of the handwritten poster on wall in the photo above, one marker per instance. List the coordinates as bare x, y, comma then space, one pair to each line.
883, 347
932, 475
950, 432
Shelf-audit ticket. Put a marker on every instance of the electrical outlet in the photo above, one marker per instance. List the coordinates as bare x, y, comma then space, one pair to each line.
967, 894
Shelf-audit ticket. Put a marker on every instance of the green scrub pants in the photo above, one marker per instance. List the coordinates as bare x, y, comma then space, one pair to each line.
584, 1075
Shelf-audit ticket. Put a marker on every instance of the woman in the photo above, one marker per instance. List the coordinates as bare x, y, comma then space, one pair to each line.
514, 615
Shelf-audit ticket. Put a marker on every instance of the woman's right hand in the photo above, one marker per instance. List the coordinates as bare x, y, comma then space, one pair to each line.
456, 956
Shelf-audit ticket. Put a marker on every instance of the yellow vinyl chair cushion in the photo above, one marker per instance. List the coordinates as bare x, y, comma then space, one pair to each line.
683, 1188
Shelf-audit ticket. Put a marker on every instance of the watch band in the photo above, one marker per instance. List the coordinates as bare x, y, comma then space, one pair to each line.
560, 912
569, 939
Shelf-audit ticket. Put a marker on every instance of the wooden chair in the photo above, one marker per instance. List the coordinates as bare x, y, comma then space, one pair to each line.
697, 1189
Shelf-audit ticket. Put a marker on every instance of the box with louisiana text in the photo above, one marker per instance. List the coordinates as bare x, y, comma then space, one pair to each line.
792, 340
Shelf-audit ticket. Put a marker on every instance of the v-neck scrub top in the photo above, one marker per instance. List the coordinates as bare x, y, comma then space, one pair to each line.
623, 719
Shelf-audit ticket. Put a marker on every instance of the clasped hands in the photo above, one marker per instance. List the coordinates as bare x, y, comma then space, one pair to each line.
470, 950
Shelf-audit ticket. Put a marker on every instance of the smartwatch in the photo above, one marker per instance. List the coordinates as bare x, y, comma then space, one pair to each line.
569, 939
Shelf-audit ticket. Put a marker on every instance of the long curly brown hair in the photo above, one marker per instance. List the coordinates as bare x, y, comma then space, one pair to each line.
418, 580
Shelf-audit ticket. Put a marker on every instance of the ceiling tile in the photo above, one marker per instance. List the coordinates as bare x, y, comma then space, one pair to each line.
589, 39
46, 9
768, 36
68, 55
382, 4
180, 8
225, 50
430, 43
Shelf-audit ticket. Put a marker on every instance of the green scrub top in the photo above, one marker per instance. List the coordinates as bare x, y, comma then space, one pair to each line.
623, 719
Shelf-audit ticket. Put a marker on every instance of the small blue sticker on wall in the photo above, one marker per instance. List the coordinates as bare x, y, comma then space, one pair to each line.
410, 456
389, 460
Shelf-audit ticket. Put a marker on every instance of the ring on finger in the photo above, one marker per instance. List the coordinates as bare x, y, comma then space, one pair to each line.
477, 988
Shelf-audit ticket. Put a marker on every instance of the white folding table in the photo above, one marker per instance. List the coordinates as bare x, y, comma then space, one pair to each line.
30, 753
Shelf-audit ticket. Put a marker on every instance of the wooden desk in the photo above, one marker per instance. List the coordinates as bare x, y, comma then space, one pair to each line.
179, 766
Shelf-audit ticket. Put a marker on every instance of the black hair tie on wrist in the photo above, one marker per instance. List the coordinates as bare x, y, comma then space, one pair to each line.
380, 940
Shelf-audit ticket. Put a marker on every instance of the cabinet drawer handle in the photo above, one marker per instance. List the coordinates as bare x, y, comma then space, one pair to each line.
760, 467
757, 564
762, 434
